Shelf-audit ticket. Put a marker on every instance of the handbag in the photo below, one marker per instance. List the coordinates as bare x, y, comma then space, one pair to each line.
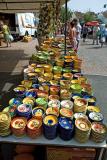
11, 37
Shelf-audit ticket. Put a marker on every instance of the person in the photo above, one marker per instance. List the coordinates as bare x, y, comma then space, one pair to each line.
84, 32
106, 33
96, 34
6, 33
72, 35
78, 30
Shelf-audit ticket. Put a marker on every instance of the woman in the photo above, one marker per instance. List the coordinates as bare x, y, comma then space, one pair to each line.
72, 35
6, 33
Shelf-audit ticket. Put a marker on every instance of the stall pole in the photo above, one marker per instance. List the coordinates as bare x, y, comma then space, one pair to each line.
65, 25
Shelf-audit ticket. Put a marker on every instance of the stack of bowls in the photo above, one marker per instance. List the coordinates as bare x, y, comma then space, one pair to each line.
52, 111
64, 84
30, 101
68, 76
76, 88
5, 120
66, 128
38, 113
32, 77
93, 109
15, 102
53, 97
80, 115
67, 104
80, 105
50, 124
82, 130
42, 102
54, 103
19, 91
18, 126
98, 132
65, 94
24, 110
75, 96
31, 93
27, 83
65, 112
34, 128
96, 117
42, 94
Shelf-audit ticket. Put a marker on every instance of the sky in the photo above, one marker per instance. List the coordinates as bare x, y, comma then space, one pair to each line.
86, 5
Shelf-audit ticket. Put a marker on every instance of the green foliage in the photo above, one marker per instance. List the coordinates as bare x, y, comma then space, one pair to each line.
89, 16
62, 14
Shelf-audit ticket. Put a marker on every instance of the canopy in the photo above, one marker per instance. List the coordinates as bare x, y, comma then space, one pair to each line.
13, 6
92, 23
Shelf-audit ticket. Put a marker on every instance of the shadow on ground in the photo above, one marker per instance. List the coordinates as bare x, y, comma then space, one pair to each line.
9, 79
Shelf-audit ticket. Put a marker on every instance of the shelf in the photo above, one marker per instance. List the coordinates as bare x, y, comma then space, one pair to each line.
56, 142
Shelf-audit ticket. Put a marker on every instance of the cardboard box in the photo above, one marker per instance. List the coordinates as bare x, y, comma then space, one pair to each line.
59, 153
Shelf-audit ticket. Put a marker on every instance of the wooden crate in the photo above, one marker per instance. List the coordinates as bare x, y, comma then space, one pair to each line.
59, 153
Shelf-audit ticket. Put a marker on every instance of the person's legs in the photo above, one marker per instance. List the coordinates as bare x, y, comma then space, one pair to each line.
93, 40
77, 43
97, 42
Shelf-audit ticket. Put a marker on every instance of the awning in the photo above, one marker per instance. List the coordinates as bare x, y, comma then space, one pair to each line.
13, 6
92, 23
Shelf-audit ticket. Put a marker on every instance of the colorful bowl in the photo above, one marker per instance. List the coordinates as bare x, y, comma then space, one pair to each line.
38, 112
42, 102
98, 132
50, 124
54, 103
80, 105
34, 128
18, 126
67, 104
82, 130
96, 117
52, 111
65, 112
66, 128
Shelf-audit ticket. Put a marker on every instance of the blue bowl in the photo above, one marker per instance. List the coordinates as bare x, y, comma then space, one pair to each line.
66, 128
36, 86
49, 129
31, 94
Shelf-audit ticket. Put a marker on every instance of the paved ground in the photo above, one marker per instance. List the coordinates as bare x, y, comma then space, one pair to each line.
12, 62
94, 58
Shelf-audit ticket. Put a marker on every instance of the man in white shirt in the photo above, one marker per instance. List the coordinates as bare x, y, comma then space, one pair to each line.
78, 29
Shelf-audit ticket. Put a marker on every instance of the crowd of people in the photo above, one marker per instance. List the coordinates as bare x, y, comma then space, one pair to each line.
76, 32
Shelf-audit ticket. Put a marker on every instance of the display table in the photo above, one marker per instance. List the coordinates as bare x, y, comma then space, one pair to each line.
100, 90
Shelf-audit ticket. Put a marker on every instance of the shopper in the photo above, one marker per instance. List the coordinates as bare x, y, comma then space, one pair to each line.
84, 32
78, 30
72, 35
6, 33
96, 34
106, 33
